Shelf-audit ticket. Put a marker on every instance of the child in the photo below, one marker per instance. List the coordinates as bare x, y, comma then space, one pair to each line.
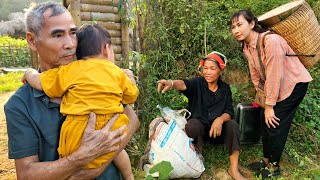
92, 84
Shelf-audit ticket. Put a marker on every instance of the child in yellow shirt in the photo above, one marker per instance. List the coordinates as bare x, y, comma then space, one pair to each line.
92, 84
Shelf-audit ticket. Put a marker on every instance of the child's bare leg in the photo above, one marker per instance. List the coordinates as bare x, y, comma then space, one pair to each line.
122, 162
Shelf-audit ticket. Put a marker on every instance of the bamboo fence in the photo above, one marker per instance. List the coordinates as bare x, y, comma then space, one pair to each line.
14, 56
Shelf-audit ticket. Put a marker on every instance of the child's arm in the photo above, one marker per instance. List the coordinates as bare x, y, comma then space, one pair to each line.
129, 73
129, 87
32, 76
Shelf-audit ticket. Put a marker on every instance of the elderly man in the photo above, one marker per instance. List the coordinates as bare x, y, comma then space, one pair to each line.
34, 120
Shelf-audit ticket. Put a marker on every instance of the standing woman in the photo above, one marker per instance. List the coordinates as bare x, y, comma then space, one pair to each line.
210, 104
286, 83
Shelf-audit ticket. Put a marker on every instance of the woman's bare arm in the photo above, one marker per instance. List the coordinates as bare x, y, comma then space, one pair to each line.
165, 85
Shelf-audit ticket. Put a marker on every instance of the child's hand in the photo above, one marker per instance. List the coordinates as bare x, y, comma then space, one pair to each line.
129, 73
24, 77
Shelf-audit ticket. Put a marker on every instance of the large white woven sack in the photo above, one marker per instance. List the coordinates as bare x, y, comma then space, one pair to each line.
170, 143
179, 116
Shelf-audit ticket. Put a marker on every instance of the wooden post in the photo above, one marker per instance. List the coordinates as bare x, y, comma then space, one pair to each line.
34, 59
140, 31
75, 7
140, 26
134, 39
125, 33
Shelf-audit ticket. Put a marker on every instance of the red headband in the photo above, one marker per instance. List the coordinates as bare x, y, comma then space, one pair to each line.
222, 65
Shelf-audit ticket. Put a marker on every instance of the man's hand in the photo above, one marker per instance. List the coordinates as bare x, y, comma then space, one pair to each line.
98, 142
216, 127
89, 173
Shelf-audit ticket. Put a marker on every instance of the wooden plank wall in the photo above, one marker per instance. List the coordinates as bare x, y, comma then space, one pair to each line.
104, 13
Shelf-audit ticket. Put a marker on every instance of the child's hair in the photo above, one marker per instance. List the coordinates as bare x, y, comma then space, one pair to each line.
248, 15
91, 39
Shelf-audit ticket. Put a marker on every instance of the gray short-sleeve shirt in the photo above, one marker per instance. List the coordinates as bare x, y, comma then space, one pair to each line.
33, 124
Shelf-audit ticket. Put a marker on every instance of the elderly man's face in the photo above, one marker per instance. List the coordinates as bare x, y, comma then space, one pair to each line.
57, 42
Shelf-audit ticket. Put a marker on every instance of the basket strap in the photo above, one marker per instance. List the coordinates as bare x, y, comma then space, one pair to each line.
259, 54
259, 58
305, 55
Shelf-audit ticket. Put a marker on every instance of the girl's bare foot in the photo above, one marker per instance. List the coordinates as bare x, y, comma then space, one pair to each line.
235, 174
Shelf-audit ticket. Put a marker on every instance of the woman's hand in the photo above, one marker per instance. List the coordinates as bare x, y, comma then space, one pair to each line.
270, 117
165, 85
216, 127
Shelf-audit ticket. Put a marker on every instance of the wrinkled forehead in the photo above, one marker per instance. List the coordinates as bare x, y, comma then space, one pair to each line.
48, 15
62, 21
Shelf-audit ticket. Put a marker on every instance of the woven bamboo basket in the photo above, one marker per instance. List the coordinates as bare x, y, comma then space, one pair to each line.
299, 28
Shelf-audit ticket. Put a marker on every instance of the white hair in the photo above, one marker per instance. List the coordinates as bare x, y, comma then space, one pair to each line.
35, 18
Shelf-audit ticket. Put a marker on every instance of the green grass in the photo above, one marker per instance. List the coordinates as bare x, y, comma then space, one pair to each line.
293, 165
300, 160
10, 81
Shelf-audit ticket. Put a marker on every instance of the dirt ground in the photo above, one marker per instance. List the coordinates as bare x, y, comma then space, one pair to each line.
7, 170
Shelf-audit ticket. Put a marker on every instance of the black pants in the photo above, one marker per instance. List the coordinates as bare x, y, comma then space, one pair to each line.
230, 134
274, 139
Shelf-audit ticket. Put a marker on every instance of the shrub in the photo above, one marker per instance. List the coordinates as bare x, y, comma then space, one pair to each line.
174, 43
14, 52
10, 82
307, 128
174, 39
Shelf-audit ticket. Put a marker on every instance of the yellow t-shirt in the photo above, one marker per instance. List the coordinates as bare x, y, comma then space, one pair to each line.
92, 85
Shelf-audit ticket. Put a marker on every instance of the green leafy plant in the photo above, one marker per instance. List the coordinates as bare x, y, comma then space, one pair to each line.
309, 110
164, 168
10, 82
14, 52
178, 33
